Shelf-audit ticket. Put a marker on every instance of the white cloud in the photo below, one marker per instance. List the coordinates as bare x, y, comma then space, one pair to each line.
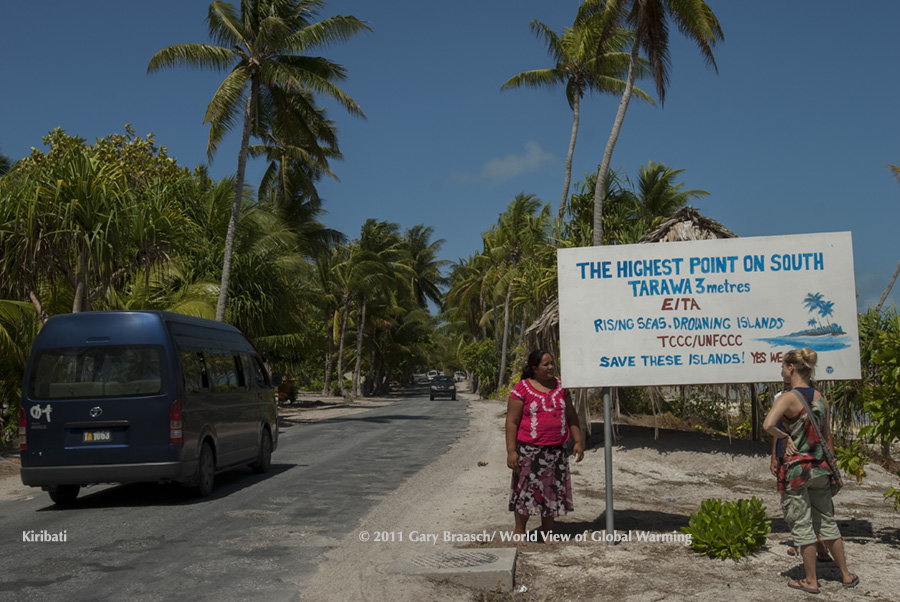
511, 166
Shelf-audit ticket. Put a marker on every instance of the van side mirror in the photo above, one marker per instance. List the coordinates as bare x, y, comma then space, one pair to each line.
276, 379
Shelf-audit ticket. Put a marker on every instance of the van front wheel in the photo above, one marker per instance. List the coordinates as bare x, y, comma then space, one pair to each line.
63, 495
206, 471
265, 453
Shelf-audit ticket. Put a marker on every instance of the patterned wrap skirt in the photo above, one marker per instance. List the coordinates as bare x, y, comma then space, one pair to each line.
541, 486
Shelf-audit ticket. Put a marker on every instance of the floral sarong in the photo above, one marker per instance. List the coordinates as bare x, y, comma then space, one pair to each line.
542, 485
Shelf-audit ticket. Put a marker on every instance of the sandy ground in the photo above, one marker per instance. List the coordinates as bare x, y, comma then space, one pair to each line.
657, 485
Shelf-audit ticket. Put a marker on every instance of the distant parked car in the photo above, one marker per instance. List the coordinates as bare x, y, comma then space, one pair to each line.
443, 385
432, 374
420, 378
460, 376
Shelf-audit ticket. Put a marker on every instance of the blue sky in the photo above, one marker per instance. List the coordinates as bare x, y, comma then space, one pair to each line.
792, 135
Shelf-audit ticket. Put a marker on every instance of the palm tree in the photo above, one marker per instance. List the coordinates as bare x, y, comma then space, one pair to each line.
582, 65
424, 265
657, 196
264, 47
649, 20
298, 145
381, 251
465, 300
521, 229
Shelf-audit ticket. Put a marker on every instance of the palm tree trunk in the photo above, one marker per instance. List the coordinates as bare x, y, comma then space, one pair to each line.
38, 306
340, 360
887, 291
483, 307
502, 376
611, 144
80, 284
236, 205
576, 110
359, 342
329, 359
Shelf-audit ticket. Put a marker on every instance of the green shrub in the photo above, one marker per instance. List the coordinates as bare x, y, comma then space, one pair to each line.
852, 459
729, 529
893, 494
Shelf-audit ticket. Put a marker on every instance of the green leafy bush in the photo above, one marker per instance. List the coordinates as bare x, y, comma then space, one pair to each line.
893, 494
729, 529
852, 459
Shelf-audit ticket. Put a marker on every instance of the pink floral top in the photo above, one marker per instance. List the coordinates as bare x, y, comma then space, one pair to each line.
543, 415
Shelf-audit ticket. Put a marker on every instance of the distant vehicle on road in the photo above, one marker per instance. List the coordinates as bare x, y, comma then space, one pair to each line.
443, 386
432, 374
420, 378
460, 376
138, 396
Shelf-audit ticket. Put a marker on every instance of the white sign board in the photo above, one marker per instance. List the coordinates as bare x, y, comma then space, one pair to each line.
711, 311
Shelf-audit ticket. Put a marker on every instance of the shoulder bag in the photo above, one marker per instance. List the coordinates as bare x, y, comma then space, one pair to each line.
835, 479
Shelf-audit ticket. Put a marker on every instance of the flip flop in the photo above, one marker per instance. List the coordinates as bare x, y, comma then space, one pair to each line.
802, 588
853, 583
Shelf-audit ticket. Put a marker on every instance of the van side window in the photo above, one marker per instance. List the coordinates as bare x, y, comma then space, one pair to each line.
204, 371
239, 367
223, 371
190, 369
259, 373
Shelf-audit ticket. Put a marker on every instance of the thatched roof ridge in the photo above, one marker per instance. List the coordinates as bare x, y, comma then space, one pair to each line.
688, 224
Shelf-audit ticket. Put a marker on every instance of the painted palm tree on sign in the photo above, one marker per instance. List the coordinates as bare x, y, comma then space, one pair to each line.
582, 64
650, 21
812, 302
264, 48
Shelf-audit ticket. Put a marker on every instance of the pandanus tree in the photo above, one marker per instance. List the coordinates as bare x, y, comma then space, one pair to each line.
649, 20
78, 221
265, 49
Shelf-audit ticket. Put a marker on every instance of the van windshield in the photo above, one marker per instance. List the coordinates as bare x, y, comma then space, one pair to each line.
101, 371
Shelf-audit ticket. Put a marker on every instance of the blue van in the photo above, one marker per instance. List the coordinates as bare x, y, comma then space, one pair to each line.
134, 396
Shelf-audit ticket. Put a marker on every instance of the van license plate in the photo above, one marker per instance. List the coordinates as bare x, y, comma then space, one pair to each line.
97, 436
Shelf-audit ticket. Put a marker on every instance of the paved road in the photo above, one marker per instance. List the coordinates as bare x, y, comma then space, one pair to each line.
256, 536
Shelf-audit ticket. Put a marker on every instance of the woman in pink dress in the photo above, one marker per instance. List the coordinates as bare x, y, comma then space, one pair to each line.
540, 419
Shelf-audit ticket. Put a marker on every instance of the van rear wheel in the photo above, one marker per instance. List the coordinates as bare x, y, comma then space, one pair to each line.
264, 461
206, 471
64, 495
